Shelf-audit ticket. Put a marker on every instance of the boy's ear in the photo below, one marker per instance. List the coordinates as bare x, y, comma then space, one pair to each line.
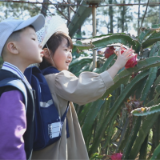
11, 47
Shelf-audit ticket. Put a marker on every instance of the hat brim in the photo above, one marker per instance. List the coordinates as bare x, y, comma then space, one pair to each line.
52, 25
37, 22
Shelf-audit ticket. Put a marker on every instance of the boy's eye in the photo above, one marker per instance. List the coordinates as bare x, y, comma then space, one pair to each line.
33, 39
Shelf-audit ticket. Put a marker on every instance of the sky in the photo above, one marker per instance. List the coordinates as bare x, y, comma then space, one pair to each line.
88, 25
103, 29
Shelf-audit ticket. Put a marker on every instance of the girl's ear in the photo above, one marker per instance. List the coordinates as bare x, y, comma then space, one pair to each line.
46, 54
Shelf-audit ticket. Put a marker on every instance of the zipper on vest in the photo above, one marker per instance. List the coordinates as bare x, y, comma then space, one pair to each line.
34, 93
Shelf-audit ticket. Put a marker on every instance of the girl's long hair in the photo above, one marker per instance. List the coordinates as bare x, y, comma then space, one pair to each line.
52, 44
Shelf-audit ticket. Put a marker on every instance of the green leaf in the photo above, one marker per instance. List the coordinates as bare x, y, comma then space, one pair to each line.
151, 39
91, 115
144, 130
124, 136
152, 74
142, 65
156, 26
156, 153
155, 50
104, 40
144, 111
106, 65
116, 107
144, 34
82, 115
131, 138
149, 83
143, 150
80, 60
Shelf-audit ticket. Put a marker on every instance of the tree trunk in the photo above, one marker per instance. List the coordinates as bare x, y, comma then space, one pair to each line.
123, 16
44, 7
79, 29
69, 12
111, 16
159, 12
138, 16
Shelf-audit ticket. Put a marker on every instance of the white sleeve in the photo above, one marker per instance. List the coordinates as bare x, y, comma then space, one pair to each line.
87, 88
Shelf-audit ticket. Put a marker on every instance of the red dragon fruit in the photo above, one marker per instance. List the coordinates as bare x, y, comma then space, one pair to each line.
109, 51
132, 61
116, 156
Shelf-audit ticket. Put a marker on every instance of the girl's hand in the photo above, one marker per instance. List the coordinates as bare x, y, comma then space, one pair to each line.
122, 58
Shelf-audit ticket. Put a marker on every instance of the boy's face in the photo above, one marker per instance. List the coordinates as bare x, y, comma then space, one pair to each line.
29, 49
63, 56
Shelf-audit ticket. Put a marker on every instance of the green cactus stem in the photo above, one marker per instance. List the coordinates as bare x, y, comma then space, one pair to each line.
131, 138
147, 123
122, 76
116, 106
156, 153
144, 111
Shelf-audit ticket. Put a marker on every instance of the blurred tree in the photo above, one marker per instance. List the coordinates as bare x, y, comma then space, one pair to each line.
114, 18
124, 16
111, 16
110, 19
44, 7
18, 10
150, 17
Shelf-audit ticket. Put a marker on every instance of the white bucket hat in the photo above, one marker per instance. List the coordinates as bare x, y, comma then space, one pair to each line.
52, 25
10, 25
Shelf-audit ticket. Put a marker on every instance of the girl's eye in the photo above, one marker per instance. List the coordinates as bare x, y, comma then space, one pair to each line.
33, 39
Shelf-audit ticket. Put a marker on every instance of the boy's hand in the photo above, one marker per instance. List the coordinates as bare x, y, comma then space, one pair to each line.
122, 58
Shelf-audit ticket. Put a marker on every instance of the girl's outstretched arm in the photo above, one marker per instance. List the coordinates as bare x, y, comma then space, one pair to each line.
88, 87
120, 61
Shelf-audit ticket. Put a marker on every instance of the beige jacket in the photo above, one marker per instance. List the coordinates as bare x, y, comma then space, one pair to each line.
66, 87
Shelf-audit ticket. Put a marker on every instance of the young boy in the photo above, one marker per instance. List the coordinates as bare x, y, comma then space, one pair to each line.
19, 48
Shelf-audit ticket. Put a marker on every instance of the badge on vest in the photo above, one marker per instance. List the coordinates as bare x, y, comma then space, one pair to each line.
54, 129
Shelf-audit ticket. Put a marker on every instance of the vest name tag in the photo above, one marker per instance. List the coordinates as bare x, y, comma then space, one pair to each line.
54, 129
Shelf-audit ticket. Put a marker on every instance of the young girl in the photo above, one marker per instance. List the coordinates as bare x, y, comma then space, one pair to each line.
65, 86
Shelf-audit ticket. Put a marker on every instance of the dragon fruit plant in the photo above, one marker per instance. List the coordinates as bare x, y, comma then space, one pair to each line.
105, 123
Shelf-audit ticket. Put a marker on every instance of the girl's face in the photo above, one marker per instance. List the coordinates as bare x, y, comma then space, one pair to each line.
63, 56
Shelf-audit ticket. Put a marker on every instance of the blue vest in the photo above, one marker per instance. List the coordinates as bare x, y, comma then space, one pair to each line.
10, 81
48, 123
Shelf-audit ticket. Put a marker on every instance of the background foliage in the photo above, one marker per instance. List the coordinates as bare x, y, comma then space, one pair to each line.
107, 124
